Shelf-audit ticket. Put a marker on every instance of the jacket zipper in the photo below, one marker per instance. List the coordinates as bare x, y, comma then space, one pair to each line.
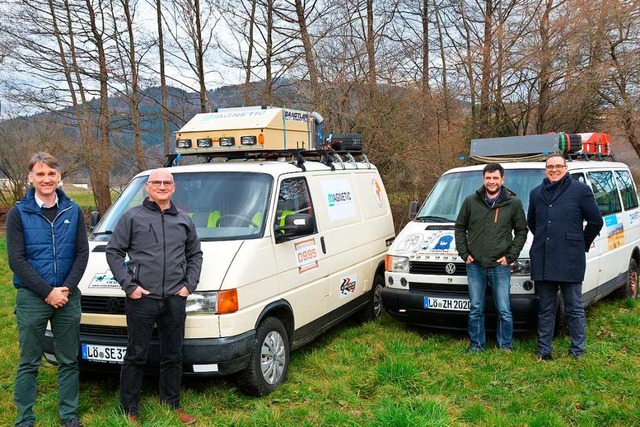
495, 216
164, 256
53, 240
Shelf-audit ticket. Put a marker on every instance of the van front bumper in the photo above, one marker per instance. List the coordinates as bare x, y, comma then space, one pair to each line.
200, 356
408, 306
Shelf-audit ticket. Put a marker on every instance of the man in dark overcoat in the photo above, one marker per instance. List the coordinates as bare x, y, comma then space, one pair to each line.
558, 209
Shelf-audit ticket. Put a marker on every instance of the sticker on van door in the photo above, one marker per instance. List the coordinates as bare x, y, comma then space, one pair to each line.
348, 285
340, 199
104, 281
306, 252
615, 231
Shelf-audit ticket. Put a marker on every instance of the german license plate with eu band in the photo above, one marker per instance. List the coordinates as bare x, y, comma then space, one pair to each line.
103, 353
455, 304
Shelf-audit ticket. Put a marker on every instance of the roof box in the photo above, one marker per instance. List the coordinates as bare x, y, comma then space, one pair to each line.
248, 129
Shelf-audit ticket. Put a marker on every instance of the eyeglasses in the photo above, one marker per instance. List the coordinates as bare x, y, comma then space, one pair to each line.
158, 183
555, 167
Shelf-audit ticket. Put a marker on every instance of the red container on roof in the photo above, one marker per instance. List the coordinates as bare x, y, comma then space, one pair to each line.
596, 143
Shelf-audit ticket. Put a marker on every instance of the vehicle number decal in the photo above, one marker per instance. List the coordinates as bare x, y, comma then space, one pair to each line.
306, 253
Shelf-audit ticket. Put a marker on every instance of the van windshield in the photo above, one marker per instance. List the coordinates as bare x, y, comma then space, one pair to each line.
222, 205
446, 197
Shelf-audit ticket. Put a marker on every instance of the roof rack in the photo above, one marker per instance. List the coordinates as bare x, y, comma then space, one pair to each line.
585, 146
326, 156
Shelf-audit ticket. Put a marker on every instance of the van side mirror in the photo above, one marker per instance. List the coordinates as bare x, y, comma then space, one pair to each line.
295, 225
94, 217
413, 209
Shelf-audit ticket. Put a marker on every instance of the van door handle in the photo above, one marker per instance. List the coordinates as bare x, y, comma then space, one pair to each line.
324, 248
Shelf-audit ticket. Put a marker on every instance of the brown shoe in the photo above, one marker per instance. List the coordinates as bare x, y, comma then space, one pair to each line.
186, 419
134, 420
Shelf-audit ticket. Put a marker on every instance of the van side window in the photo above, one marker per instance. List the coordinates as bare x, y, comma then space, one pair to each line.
294, 197
605, 192
627, 189
578, 176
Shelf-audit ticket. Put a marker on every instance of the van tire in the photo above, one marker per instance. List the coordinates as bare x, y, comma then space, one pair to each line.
374, 307
630, 288
271, 346
560, 327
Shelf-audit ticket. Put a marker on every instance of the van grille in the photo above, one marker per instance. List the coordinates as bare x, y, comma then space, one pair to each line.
103, 305
109, 331
437, 268
444, 287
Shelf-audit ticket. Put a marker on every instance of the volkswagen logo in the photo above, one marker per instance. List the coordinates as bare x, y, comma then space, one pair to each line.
450, 268
113, 305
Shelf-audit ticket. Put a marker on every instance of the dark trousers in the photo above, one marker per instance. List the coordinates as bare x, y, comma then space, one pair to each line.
169, 314
573, 310
32, 314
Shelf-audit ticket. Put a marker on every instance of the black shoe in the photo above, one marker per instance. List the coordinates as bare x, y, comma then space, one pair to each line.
73, 422
544, 357
475, 350
575, 355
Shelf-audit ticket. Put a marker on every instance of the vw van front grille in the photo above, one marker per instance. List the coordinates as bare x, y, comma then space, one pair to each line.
103, 305
438, 268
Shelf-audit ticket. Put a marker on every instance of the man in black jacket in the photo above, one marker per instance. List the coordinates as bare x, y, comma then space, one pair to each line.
557, 211
164, 266
48, 252
490, 231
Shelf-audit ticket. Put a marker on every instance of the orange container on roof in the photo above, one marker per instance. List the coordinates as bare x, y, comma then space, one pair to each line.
596, 143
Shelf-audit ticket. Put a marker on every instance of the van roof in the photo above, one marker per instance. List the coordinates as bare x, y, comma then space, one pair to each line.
271, 167
571, 165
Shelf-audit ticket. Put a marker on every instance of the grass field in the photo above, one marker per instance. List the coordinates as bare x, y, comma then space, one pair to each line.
385, 374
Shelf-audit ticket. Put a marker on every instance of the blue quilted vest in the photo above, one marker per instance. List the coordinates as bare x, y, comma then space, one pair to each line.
50, 247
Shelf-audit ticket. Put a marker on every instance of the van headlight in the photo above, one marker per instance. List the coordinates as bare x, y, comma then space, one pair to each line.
202, 302
396, 264
521, 267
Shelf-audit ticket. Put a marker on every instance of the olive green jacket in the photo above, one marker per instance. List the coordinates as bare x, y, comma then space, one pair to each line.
491, 232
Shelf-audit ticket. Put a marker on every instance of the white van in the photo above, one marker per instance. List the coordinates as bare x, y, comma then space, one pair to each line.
426, 282
290, 249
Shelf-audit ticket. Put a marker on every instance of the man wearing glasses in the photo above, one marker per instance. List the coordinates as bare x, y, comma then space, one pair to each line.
557, 210
163, 268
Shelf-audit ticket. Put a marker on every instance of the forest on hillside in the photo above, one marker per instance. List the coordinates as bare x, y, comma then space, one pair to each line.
418, 78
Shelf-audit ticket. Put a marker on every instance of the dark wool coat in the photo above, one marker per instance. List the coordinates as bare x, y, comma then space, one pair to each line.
559, 238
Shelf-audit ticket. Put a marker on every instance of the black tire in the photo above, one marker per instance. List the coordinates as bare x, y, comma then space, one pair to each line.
560, 327
374, 307
269, 362
630, 288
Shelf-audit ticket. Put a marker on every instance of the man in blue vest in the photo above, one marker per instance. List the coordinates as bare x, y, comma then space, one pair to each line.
48, 251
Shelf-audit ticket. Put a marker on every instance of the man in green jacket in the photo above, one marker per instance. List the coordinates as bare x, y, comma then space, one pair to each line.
490, 231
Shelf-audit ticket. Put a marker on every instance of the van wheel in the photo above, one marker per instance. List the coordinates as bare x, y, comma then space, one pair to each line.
374, 307
269, 359
560, 327
630, 288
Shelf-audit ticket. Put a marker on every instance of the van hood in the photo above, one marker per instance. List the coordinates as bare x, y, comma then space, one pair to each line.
217, 257
433, 241
418, 240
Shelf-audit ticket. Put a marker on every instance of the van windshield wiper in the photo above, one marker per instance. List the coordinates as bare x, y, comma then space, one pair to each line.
102, 233
431, 218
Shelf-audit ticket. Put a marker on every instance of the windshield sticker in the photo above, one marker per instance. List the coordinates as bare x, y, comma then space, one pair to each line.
377, 191
104, 281
615, 231
348, 285
340, 199
306, 255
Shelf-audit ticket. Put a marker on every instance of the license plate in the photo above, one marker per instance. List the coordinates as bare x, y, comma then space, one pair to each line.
103, 353
455, 304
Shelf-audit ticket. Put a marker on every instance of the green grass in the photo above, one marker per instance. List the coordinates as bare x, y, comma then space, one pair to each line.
385, 374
